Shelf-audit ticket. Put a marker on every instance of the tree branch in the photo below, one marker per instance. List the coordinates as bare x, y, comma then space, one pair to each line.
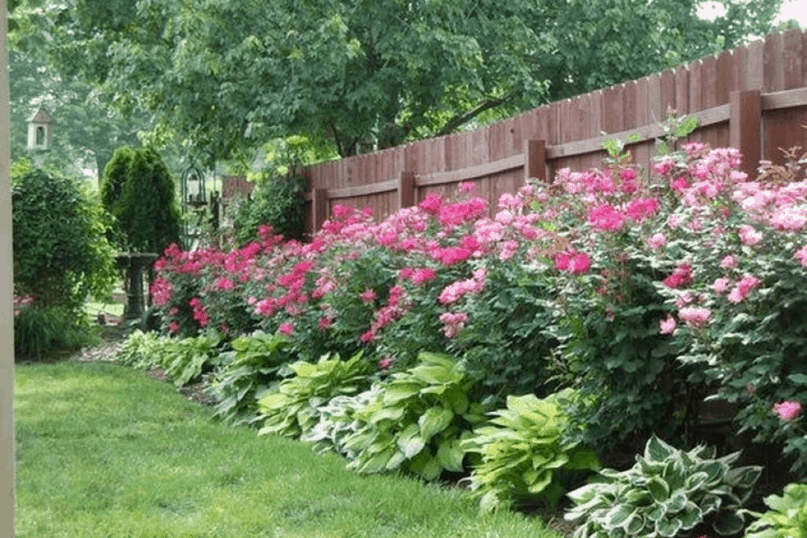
465, 117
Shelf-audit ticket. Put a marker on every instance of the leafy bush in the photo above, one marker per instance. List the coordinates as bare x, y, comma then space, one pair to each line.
523, 453
139, 191
278, 201
786, 517
416, 420
37, 330
293, 409
247, 373
61, 254
667, 492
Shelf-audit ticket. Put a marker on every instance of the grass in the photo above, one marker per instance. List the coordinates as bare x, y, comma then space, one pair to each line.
93, 308
105, 451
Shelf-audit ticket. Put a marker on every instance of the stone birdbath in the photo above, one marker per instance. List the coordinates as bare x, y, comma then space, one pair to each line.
133, 264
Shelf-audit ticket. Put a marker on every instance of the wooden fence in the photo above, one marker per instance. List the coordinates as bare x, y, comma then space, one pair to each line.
753, 98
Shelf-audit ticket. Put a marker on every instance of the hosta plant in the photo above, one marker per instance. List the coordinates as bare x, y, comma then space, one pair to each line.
186, 359
786, 517
667, 493
416, 421
524, 454
292, 409
247, 372
337, 422
140, 350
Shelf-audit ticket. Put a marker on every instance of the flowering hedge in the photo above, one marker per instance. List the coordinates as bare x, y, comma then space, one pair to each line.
645, 290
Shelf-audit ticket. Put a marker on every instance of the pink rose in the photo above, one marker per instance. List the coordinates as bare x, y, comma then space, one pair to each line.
787, 410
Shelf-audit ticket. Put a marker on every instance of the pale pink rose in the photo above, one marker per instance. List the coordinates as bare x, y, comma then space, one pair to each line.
787, 410
657, 241
721, 285
749, 236
695, 316
728, 262
667, 326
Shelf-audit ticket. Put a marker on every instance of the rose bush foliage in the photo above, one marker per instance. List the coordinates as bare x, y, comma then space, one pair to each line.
645, 290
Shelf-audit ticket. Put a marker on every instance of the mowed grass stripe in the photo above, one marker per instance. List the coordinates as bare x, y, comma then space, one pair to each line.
105, 451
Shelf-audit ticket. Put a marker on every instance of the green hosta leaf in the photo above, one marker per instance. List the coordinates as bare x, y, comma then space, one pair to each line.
425, 465
395, 461
378, 462
634, 524
457, 399
657, 512
728, 523
710, 503
450, 455
434, 421
691, 516
743, 477
583, 459
387, 413
677, 502
657, 450
669, 527
618, 515
539, 482
696, 481
410, 442
658, 489
674, 474
397, 391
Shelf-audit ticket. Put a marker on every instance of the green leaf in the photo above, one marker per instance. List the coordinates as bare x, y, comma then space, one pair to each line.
657, 450
728, 523
618, 515
669, 527
583, 459
434, 420
686, 127
450, 455
410, 442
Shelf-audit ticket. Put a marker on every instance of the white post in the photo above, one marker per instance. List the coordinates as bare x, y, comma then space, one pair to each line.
7, 441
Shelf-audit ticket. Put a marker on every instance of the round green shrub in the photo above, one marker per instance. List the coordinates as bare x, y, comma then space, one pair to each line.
61, 252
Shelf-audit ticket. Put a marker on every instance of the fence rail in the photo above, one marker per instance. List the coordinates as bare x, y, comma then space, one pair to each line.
753, 98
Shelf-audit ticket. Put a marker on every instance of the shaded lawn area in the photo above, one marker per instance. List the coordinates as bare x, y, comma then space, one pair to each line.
104, 450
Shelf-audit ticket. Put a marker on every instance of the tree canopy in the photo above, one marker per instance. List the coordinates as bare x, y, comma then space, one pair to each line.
362, 74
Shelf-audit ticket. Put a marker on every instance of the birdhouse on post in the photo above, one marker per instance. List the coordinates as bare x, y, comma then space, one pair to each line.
40, 130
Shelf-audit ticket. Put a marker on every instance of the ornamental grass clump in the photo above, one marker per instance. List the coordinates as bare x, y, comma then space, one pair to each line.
667, 493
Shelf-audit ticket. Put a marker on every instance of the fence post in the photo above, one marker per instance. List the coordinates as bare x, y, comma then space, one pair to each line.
319, 208
535, 160
406, 190
744, 127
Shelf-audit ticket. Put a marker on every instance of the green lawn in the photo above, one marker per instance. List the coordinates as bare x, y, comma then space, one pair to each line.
105, 451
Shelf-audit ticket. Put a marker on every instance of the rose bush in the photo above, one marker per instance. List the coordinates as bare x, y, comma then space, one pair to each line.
645, 290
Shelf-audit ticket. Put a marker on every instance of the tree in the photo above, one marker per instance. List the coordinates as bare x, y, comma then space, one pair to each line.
87, 130
362, 74
140, 192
